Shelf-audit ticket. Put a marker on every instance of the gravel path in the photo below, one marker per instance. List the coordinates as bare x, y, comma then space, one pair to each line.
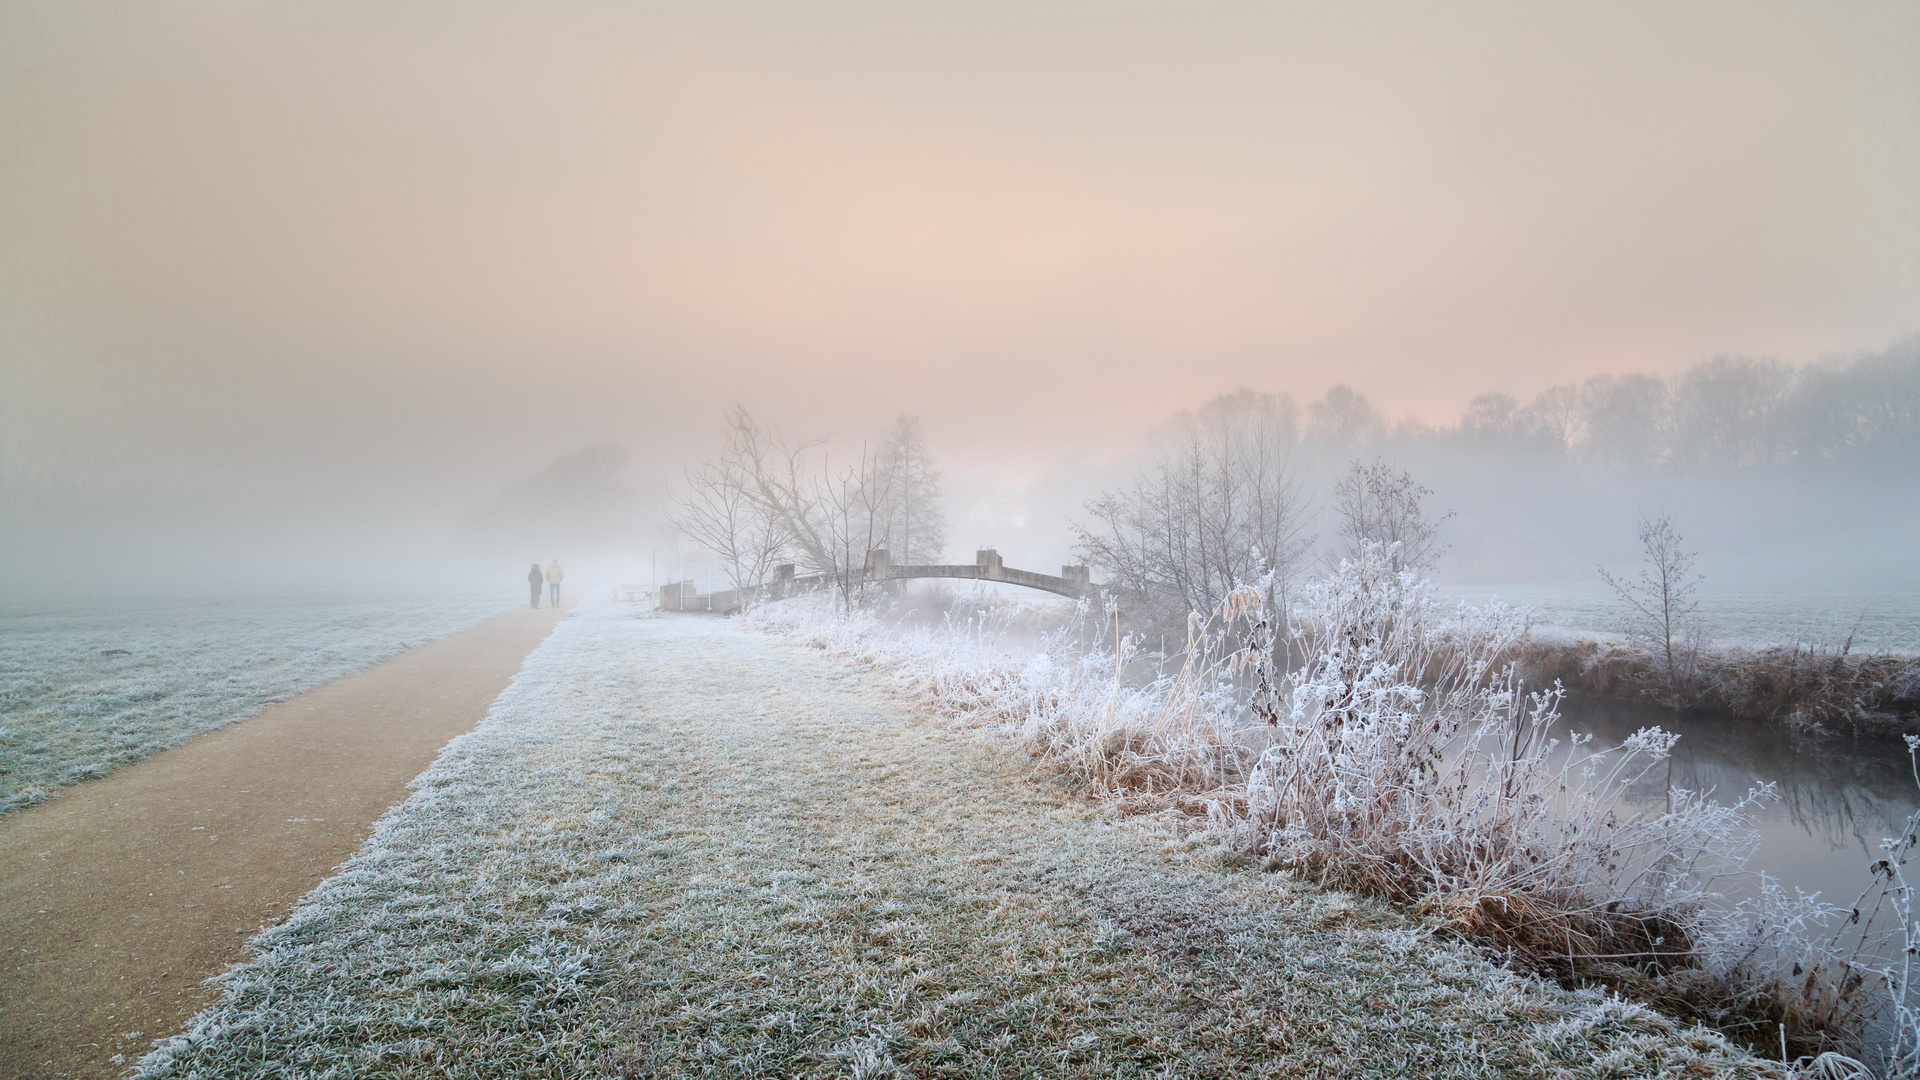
120, 896
677, 848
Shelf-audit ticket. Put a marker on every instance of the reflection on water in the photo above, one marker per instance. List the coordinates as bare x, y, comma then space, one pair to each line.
1838, 796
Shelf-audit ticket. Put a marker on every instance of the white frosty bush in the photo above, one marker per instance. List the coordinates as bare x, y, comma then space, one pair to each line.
1402, 759
1408, 763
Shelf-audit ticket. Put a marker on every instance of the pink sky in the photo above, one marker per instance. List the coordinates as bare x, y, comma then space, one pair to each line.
243, 245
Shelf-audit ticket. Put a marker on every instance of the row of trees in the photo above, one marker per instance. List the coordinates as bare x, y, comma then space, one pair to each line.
1221, 499
1221, 503
1727, 412
768, 500
1219, 506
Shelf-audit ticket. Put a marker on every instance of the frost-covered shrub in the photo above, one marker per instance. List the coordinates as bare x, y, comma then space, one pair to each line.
1407, 763
1895, 978
1402, 759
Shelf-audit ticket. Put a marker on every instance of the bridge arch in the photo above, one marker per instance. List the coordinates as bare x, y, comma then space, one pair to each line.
1072, 582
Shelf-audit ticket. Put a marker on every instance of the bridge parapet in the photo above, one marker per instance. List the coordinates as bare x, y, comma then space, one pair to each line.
1074, 581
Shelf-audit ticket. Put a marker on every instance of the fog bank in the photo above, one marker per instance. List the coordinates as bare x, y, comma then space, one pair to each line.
349, 293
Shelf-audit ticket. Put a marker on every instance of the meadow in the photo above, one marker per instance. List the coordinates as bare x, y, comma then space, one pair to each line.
677, 847
89, 688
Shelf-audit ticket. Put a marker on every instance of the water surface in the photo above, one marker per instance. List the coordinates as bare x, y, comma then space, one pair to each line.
1839, 796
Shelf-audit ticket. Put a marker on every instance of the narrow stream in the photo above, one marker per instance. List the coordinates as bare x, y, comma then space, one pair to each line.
1839, 795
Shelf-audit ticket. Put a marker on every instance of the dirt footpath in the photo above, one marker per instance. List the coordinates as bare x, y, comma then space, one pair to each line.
121, 895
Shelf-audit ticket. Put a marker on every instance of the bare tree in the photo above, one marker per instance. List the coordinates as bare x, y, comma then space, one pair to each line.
1217, 508
768, 499
857, 507
782, 482
1379, 503
916, 530
721, 511
1731, 412
1665, 603
1343, 422
755, 505
1863, 412
1554, 419
1628, 420
1492, 417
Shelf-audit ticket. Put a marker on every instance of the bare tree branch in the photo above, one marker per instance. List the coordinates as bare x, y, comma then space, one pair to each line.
1665, 602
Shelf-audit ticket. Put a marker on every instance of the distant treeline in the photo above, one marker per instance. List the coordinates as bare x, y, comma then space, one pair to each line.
1772, 470
1727, 412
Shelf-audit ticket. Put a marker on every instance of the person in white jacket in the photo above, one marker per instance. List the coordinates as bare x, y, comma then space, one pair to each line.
553, 581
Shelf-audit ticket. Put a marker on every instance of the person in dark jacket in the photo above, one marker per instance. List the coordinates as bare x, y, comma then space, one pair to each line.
535, 579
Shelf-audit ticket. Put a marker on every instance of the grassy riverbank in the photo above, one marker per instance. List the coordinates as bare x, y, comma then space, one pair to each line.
677, 847
1799, 687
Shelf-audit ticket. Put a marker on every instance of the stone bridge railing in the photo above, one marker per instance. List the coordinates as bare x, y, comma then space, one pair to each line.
1074, 581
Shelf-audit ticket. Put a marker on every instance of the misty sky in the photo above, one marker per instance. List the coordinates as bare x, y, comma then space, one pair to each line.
264, 258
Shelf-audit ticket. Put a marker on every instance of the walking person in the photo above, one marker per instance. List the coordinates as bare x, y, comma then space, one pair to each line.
553, 581
534, 578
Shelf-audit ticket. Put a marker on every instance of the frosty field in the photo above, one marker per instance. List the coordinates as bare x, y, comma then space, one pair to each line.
86, 690
1887, 617
677, 847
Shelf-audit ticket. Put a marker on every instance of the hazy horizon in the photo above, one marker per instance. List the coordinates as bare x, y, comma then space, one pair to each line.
309, 293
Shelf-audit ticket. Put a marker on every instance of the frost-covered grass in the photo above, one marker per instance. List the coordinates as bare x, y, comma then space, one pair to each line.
84, 691
1053, 678
679, 848
1398, 759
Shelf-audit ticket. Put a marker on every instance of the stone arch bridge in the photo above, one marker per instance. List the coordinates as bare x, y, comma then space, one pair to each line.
1073, 581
